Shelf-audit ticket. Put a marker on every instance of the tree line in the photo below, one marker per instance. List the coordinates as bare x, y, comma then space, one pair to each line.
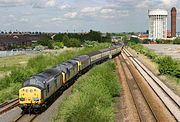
73, 39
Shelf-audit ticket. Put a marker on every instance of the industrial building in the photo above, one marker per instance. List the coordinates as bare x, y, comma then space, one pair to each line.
157, 24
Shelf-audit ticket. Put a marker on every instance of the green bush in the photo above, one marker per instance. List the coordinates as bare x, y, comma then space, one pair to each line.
58, 44
73, 42
167, 65
92, 97
176, 41
45, 41
90, 44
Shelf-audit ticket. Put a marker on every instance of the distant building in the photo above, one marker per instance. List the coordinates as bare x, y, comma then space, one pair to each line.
157, 24
173, 22
7, 41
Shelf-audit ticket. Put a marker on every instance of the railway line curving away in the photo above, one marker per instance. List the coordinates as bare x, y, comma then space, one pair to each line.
162, 101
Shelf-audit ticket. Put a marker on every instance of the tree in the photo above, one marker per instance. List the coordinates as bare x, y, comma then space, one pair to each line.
45, 41
135, 40
94, 36
73, 42
58, 37
65, 40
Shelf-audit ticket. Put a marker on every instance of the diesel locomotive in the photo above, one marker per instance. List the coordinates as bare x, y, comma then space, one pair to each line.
38, 89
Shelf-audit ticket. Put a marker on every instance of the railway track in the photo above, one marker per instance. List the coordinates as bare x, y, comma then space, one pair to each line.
166, 95
146, 98
142, 109
26, 118
8, 105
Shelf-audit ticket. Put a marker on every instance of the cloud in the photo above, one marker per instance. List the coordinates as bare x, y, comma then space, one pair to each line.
45, 3
6, 3
143, 4
65, 6
23, 20
168, 2
71, 14
12, 17
90, 9
108, 16
50, 3
123, 12
106, 11
57, 19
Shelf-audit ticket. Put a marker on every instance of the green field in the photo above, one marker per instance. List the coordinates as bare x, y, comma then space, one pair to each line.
92, 97
7, 63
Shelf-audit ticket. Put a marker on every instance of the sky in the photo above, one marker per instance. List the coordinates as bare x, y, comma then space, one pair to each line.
81, 15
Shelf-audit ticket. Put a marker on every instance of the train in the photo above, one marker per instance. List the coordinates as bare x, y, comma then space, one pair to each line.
41, 88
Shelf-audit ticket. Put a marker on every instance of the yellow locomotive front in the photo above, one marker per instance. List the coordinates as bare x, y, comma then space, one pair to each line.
30, 98
30, 95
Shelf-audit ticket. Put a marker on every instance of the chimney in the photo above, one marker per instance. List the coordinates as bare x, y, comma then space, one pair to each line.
173, 22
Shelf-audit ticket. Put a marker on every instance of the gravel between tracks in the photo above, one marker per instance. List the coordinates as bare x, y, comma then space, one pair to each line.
126, 110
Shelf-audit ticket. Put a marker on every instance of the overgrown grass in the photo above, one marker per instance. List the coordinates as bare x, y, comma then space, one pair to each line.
8, 63
35, 65
92, 97
167, 65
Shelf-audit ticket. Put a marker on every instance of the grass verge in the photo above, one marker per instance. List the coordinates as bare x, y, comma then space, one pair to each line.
11, 83
92, 97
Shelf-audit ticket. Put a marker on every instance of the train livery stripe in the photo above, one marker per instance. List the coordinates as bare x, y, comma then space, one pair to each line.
63, 77
79, 65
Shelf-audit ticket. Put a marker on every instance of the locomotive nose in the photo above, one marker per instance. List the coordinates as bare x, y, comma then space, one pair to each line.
29, 95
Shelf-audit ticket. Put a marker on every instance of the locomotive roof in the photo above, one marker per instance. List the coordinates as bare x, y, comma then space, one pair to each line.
93, 53
38, 80
104, 50
67, 65
61, 67
73, 62
50, 72
81, 57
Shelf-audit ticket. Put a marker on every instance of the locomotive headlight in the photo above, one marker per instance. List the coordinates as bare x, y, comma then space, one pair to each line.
36, 99
21, 99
